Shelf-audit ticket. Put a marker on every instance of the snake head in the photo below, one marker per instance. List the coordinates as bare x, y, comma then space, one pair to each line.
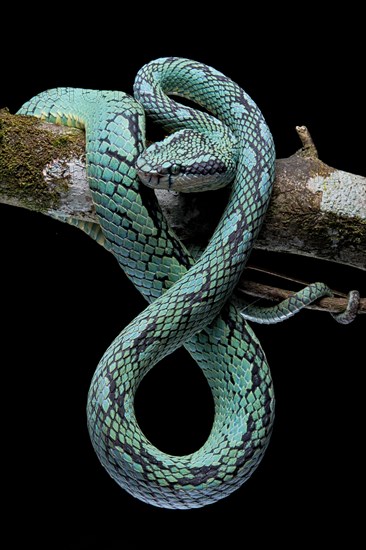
188, 161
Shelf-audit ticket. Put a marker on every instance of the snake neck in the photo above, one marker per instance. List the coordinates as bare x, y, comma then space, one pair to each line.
235, 110
157, 81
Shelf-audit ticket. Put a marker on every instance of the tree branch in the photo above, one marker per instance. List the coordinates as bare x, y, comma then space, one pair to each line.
315, 210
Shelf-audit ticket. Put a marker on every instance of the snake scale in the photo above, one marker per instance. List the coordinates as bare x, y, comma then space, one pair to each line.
189, 299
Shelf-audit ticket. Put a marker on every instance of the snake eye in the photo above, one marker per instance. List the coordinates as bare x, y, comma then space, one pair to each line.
174, 169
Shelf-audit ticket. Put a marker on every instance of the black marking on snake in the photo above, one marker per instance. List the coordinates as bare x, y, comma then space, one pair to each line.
113, 115
267, 418
227, 319
232, 380
150, 202
138, 458
248, 449
150, 458
235, 238
256, 380
143, 340
112, 385
204, 168
197, 297
120, 157
121, 405
200, 475
152, 207
133, 124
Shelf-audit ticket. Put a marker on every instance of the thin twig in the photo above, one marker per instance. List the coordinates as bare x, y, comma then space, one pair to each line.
267, 292
308, 145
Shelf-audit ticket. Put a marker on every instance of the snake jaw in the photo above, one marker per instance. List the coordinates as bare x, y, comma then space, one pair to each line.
150, 179
174, 177
184, 183
163, 177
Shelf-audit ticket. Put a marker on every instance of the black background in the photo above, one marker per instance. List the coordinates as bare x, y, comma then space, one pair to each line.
57, 323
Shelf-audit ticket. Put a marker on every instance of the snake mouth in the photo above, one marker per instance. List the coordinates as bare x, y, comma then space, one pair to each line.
151, 179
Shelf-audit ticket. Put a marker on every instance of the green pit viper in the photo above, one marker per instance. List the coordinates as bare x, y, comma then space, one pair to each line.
189, 299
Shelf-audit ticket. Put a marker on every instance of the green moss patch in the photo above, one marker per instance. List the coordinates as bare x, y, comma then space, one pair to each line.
27, 145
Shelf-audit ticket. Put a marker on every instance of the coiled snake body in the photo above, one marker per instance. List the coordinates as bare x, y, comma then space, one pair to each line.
188, 300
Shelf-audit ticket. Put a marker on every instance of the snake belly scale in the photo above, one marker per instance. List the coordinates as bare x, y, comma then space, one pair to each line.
188, 299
